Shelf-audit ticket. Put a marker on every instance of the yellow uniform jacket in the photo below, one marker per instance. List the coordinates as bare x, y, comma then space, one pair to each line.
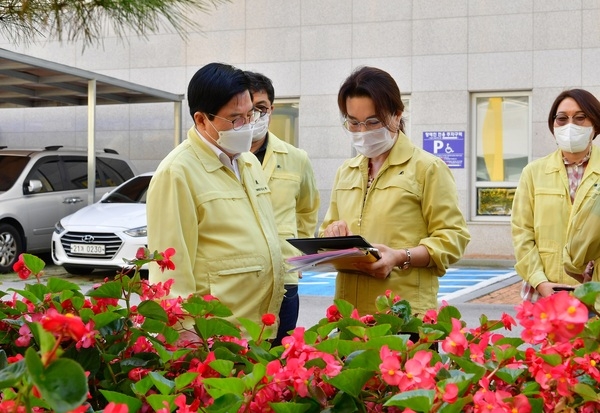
223, 230
412, 201
294, 195
542, 211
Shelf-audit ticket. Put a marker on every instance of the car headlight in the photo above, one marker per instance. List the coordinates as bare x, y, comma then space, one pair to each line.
58, 228
137, 232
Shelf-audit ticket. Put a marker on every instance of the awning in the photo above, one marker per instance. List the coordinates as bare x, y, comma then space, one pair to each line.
27, 81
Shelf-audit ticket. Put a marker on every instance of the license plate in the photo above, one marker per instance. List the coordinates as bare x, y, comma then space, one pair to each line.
92, 249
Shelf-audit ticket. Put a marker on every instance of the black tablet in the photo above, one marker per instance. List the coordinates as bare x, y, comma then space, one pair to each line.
315, 245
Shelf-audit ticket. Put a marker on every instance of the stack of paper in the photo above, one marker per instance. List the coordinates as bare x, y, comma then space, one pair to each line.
332, 254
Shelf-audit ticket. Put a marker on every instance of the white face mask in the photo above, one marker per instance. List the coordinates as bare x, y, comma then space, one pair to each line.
573, 138
260, 128
235, 141
372, 143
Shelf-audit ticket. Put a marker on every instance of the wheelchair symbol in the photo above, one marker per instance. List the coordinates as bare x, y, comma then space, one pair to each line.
448, 149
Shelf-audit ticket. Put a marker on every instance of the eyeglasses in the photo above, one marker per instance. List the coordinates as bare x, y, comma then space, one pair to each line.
262, 109
242, 120
562, 119
353, 125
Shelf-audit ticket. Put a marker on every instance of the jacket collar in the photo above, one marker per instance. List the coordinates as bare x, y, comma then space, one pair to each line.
205, 154
558, 164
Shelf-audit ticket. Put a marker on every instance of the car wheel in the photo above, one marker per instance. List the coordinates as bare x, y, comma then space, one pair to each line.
11, 246
77, 270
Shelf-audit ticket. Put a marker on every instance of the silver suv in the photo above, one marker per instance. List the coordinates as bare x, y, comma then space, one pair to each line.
40, 186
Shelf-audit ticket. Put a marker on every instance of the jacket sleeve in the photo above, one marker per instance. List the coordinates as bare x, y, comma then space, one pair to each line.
332, 211
583, 241
172, 222
446, 225
308, 202
528, 261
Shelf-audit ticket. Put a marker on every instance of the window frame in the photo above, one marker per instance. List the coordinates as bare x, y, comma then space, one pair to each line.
476, 185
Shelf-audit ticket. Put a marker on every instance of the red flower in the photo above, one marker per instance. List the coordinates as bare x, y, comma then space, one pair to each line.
333, 314
166, 262
113, 407
64, 324
269, 319
21, 269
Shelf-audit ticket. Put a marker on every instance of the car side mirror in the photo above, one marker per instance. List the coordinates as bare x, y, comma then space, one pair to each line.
34, 186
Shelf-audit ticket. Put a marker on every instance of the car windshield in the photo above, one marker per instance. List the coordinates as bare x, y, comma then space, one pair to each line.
133, 191
10, 169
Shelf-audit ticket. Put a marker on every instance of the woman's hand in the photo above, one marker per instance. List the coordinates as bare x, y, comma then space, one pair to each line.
547, 288
337, 229
383, 267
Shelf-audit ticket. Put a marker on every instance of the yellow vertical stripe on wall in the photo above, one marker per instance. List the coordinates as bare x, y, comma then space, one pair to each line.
493, 151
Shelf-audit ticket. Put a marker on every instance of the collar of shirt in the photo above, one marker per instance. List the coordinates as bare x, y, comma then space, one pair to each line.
583, 161
223, 157
262, 151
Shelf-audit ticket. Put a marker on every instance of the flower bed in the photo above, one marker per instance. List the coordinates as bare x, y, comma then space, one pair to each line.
65, 350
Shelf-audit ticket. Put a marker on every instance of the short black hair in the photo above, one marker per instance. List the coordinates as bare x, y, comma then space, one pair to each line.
213, 85
259, 83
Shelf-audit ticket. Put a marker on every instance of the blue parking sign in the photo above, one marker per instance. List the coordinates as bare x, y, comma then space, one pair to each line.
447, 145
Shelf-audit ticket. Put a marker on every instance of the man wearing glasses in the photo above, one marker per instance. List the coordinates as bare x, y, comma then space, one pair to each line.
209, 200
294, 192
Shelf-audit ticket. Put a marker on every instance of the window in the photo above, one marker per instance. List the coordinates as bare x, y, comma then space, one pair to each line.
284, 120
502, 147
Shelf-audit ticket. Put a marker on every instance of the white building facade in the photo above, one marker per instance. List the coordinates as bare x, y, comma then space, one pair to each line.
478, 78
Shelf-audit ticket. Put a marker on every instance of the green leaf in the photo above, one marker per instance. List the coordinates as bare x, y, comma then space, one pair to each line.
252, 379
182, 380
357, 331
417, 400
222, 386
57, 285
11, 374
457, 406
351, 381
105, 318
251, 327
509, 375
35, 264
63, 384
588, 292
157, 401
132, 403
223, 367
365, 359
151, 309
588, 393
111, 289
163, 385
44, 339
290, 407
226, 403
211, 327
344, 307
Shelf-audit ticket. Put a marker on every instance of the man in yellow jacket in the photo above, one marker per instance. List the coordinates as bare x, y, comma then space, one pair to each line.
210, 201
294, 192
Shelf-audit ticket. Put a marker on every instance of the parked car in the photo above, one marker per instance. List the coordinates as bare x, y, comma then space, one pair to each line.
40, 186
105, 234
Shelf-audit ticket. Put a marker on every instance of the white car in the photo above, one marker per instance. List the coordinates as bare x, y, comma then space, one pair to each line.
103, 235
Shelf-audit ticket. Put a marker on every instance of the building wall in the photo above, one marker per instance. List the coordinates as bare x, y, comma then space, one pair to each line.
439, 52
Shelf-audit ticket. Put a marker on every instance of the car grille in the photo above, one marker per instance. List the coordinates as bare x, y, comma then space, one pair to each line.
111, 242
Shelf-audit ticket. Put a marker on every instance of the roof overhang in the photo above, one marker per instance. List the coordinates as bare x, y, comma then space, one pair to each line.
26, 81
29, 82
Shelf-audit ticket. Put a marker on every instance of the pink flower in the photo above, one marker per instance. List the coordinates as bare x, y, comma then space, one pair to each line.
456, 342
390, 366
333, 314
